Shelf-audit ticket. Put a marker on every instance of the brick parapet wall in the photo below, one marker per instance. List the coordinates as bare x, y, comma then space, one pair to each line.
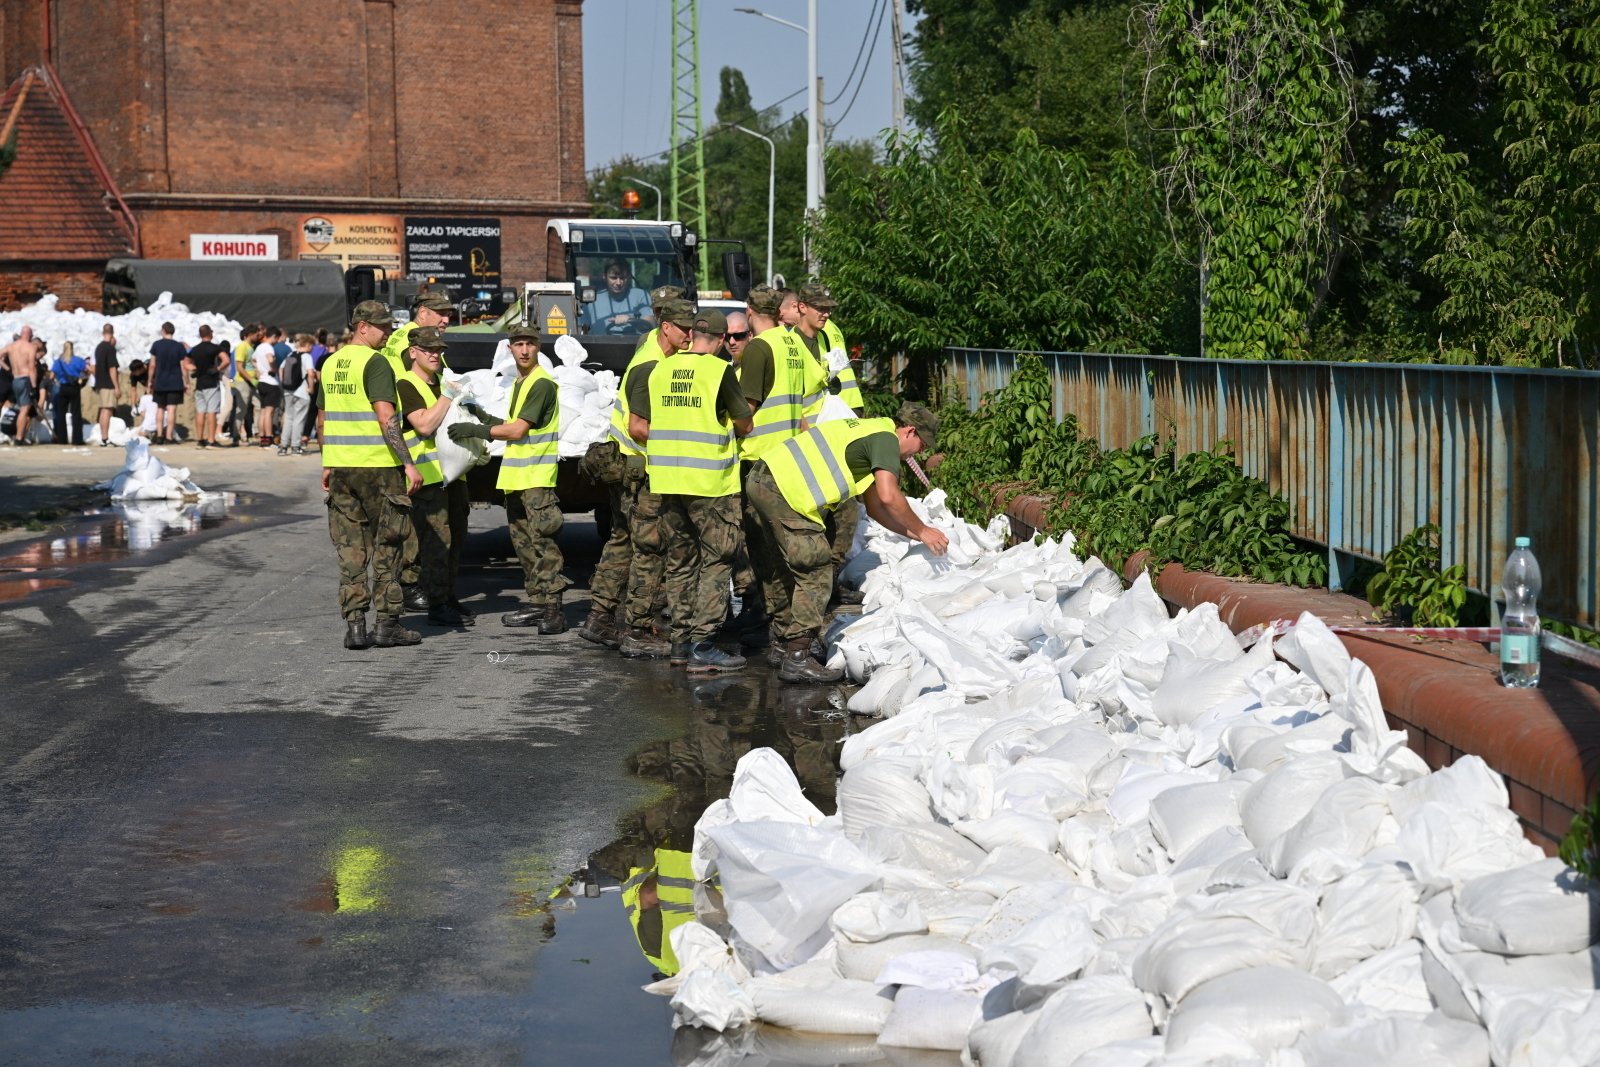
24, 283
1445, 694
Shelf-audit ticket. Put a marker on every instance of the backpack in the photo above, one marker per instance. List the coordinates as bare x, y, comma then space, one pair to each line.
291, 374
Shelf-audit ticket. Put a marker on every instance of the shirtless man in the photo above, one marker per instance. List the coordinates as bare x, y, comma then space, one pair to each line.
23, 356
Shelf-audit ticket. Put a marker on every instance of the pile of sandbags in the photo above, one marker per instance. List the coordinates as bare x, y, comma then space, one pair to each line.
144, 477
1089, 832
136, 331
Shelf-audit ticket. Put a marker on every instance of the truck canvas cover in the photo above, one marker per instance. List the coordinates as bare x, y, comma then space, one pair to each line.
299, 295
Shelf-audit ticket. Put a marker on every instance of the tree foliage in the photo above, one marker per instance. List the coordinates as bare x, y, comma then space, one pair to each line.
1026, 247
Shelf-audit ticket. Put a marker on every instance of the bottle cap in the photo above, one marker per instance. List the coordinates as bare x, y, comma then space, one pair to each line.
1523, 542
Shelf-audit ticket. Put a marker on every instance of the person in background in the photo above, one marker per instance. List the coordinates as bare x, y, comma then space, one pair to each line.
293, 377
138, 381
22, 358
269, 394
425, 402
207, 363
244, 385
737, 337
167, 357
70, 372
105, 381
146, 413
621, 308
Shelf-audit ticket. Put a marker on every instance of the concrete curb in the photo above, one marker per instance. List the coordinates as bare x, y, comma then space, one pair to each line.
1445, 694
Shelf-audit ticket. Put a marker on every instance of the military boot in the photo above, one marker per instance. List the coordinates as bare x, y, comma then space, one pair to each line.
415, 598
355, 634
553, 621
445, 615
681, 652
641, 642
390, 634
801, 667
466, 613
601, 628
523, 616
707, 658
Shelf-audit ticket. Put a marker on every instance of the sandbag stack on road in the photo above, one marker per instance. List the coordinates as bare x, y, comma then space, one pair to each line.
1088, 833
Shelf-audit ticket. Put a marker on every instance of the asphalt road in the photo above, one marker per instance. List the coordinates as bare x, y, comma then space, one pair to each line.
229, 840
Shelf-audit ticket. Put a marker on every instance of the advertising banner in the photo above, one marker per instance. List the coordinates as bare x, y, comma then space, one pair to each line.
233, 246
351, 239
463, 254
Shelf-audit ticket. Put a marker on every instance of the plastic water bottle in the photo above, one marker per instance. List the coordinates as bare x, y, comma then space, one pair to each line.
1519, 626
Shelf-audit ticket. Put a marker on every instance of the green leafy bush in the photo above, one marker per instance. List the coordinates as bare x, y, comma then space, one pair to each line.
1413, 588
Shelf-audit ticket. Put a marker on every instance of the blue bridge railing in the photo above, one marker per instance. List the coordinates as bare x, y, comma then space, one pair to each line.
1367, 452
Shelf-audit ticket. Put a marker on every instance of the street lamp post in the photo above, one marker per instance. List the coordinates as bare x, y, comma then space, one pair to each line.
647, 185
813, 133
772, 177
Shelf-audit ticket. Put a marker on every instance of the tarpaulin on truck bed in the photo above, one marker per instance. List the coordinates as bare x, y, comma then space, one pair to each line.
299, 295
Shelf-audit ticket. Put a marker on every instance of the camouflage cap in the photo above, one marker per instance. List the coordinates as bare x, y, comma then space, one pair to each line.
678, 312
816, 294
373, 312
434, 300
919, 418
764, 300
662, 294
429, 337
522, 331
711, 321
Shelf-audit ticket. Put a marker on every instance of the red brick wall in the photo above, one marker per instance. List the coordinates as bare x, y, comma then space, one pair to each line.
25, 283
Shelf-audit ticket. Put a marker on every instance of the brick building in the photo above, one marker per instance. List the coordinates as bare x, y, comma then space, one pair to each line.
320, 128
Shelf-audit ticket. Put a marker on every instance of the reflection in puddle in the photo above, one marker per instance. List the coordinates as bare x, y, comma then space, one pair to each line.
108, 534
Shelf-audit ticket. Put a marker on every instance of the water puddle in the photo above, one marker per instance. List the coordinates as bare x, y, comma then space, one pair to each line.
110, 534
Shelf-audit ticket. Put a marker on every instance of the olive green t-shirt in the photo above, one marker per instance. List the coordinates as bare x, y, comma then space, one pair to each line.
410, 399
637, 389
538, 405
730, 399
874, 452
755, 371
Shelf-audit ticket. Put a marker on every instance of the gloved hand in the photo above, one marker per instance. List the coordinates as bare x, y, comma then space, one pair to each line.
481, 415
451, 389
838, 360
462, 432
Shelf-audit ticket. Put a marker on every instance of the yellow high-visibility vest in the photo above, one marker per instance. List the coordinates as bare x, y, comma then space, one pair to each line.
643, 356
396, 347
351, 436
691, 450
674, 876
811, 471
531, 462
424, 453
795, 376
849, 386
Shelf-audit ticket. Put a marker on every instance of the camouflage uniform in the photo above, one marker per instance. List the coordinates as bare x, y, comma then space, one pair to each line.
368, 516
534, 518
647, 543
702, 537
458, 506
841, 526
431, 526
798, 550
603, 463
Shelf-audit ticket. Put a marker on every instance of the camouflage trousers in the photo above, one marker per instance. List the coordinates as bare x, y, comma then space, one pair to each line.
841, 524
534, 518
614, 574
702, 537
647, 547
458, 505
430, 525
756, 553
798, 551
368, 515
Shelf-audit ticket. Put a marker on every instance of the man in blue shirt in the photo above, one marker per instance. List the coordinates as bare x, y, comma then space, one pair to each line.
167, 384
621, 308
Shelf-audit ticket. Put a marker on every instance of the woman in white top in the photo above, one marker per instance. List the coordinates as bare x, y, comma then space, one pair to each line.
268, 392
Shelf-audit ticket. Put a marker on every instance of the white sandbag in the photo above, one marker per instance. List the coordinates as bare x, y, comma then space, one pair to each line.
1267, 1007
1318, 733
1391, 981
1133, 1052
840, 1007
1466, 782
885, 682
1346, 820
764, 787
1447, 844
1010, 866
713, 1000
1314, 650
1011, 828
781, 881
1281, 799
882, 792
1533, 910
697, 948
931, 1018
1040, 785
1274, 924
1548, 1028
1140, 784
1185, 815
875, 916
1434, 1040
1084, 1015
865, 960
1191, 684
961, 790
994, 1042
1369, 910
1139, 611
934, 848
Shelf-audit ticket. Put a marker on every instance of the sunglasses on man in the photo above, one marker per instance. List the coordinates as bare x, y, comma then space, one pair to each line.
737, 336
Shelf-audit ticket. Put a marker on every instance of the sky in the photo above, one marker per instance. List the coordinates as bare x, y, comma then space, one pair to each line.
636, 36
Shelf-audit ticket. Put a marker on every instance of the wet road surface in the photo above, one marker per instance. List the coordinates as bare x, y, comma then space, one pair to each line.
230, 840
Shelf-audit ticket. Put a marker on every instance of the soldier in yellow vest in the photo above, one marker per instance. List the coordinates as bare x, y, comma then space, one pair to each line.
369, 477
528, 479
794, 486
430, 307
690, 420
425, 407
618, 464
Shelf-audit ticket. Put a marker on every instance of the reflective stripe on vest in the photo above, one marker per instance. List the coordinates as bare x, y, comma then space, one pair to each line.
691, 450
424, 452
531, 462
794, 375
675, 882
810, 470
351, 436
647, 353
397, 346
